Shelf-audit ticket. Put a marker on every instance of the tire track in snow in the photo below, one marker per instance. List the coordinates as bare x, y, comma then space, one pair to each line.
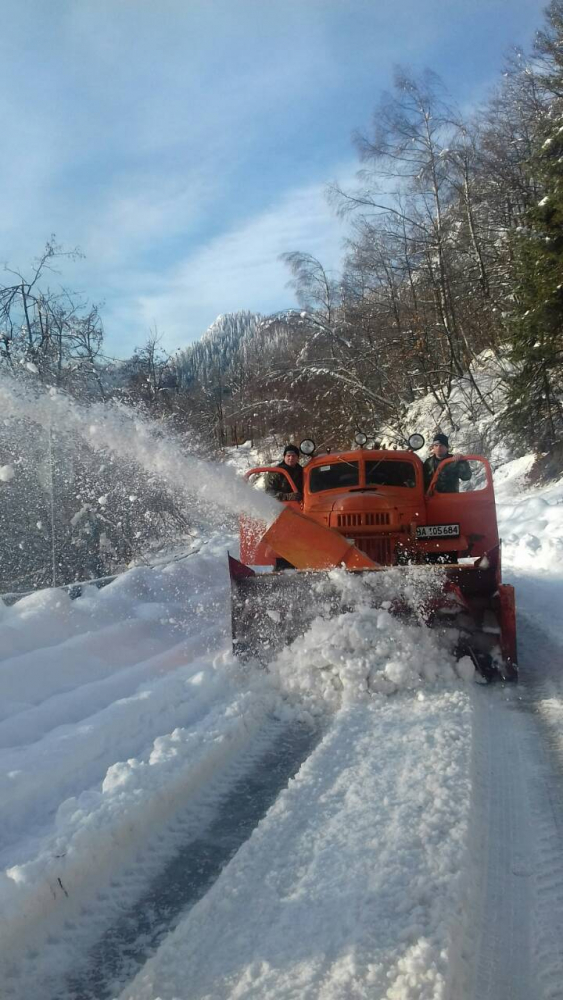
190, 873
516, 839
499, 847
544, 687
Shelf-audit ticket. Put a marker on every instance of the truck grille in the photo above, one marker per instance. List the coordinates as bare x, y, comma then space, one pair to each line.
378, 549
361, 520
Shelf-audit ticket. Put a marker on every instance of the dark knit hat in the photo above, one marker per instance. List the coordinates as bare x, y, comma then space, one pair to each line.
291, 447
440, 439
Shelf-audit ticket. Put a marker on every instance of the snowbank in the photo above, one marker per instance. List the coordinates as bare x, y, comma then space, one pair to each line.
530, 521
96, 832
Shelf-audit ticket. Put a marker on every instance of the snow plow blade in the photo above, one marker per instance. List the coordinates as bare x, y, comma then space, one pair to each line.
271, 610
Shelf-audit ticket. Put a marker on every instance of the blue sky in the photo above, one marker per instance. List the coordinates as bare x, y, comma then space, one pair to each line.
185, 144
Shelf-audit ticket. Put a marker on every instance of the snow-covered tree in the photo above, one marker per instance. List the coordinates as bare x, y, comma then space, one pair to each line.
535, 404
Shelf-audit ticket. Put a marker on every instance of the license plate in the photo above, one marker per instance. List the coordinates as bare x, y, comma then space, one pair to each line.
437, 531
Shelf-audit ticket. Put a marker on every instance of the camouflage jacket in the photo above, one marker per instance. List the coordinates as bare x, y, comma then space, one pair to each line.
448, 480
277, 484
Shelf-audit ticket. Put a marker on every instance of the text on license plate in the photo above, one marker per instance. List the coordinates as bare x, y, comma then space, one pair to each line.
437, 531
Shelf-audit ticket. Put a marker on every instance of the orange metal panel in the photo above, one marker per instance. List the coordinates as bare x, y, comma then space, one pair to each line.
309, 545
475, 512
253, 550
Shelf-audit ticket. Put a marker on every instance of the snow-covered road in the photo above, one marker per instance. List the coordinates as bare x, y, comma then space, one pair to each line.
178, 826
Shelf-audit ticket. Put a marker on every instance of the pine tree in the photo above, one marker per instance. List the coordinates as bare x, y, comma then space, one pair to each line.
535, 399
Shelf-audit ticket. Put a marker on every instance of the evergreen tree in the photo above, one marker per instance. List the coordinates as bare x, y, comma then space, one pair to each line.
535, 410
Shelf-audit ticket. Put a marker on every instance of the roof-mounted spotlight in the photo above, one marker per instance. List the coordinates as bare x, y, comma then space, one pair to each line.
415, 442
307, 446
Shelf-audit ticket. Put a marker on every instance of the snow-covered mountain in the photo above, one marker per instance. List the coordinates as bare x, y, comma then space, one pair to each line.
219, 345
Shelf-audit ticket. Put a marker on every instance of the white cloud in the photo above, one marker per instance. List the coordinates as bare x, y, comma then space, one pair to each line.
136, 218
239, 269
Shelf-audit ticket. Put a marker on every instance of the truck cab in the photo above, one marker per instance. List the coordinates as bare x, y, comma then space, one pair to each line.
377, 500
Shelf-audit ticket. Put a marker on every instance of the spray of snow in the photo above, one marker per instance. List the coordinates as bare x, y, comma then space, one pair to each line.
114, 428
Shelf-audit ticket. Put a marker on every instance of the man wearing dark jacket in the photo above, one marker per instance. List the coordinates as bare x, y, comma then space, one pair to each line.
277, 485
450, 476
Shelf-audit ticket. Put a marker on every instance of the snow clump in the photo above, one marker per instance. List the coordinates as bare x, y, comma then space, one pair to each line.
360, 654
7, 473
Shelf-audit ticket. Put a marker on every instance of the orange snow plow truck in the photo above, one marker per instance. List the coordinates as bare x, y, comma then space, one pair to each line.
364, 511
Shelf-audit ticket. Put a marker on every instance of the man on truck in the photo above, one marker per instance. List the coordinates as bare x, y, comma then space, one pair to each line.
277, 484
451, 475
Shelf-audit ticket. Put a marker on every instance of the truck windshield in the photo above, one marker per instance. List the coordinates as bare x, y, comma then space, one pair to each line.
385, 473
333, 475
